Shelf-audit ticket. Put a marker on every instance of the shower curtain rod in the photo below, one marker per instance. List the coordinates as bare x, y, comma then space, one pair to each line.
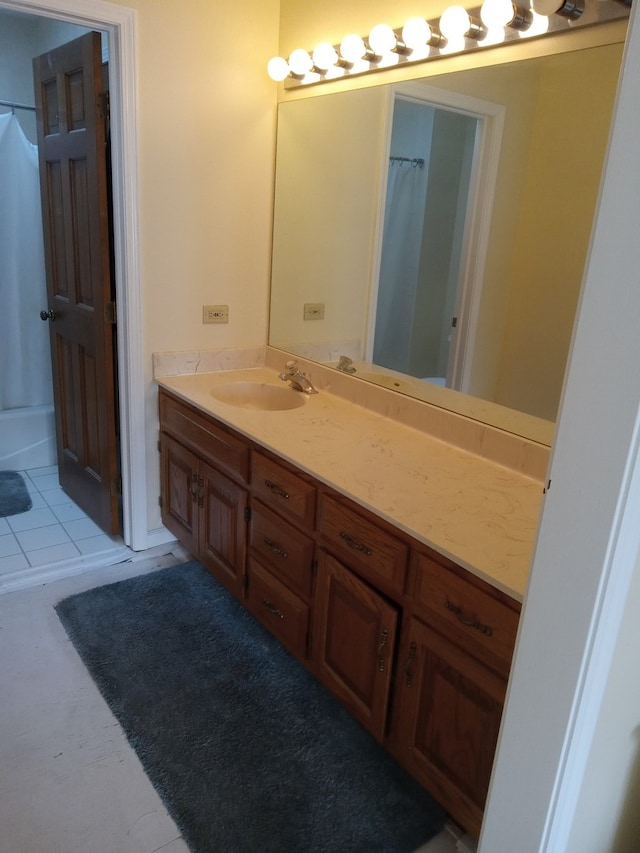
15, 106
413, 161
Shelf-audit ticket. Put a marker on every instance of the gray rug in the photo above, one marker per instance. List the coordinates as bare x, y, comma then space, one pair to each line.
247, 750
14, 497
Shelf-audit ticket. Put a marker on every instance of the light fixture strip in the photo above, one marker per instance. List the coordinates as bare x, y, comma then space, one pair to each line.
475, 37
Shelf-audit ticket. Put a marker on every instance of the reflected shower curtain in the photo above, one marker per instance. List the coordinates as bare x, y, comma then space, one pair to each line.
399, 264
25, 360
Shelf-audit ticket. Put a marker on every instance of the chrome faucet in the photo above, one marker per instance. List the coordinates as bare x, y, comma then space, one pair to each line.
345, 364
296, 378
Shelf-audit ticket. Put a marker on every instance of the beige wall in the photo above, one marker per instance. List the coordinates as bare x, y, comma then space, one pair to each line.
206, 147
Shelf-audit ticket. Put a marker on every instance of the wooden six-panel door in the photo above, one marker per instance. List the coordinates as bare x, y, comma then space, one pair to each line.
71, 108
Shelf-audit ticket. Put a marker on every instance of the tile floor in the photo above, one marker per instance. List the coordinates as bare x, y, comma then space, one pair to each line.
69, 781
53, 531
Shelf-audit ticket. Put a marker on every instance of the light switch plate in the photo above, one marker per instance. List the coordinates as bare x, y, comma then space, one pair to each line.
314, 310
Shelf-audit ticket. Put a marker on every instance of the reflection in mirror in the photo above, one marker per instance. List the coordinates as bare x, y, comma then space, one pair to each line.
331, 179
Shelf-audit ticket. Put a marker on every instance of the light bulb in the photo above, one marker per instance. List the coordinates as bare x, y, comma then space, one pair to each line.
382, 39
454, 23
539, 26
300, 62
324, 56
496, 13
352, 48
454, 45
278, 69
416, 33
495, 35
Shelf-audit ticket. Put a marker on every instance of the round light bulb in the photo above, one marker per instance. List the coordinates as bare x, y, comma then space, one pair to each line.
539, 26
454, 23
352, 48
278, 69
416, 33
324, 56
495, 35
382, 39
454, 45
496, 13
300, 62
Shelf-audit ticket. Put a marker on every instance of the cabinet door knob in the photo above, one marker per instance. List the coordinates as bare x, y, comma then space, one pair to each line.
47, 315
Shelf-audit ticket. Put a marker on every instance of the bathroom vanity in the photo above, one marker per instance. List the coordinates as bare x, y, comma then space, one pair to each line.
390, 564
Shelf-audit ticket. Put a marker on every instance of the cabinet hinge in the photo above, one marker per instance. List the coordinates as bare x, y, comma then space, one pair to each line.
116, 487
314, 568
454, 322
110, 313
103, 106
247, 513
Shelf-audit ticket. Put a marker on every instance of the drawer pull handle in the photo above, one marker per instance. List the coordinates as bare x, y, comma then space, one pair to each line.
194, 487
469, 621
277, 490
273, 546
384, 636
408, 668
357, 546
273, 610
200, 491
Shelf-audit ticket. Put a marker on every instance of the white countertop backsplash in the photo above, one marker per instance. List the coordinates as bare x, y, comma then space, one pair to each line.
479, 513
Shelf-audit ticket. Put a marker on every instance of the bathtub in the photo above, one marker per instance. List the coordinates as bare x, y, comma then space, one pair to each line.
27, 438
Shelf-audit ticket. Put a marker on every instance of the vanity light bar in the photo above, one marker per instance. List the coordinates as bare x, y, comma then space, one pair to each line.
457, 30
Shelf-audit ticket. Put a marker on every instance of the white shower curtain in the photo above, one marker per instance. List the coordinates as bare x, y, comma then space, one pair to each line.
399, 264
25, 360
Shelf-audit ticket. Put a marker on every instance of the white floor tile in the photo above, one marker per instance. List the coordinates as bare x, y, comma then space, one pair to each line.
97, 544
82, 528
55, 497
53, 554
67, 511
37, 500
32, 519
43, 537
42, 472
9, 545
4, 526
45, 482
13, 563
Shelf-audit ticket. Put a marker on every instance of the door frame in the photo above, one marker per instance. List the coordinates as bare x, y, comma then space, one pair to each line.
120, 24
484, 176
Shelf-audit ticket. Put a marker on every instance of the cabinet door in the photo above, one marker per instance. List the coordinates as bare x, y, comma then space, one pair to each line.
222, 548
354, 639
179, 476
448, 717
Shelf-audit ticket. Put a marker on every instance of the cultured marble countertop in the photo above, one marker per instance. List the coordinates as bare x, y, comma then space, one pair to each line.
477, 513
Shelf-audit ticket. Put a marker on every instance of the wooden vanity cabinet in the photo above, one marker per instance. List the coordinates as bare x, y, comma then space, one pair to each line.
417, 648
282, 562
206, 509
354, 639
453, 667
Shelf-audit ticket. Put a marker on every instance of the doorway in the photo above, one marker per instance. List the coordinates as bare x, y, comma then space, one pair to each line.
119, 24
438, 178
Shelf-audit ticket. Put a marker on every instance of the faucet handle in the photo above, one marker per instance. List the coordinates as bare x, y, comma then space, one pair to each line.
291, 366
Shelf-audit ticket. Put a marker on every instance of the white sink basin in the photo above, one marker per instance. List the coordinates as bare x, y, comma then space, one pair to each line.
385, 380
258, 395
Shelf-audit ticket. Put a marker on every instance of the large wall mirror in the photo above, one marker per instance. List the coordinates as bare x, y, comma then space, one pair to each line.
521, 206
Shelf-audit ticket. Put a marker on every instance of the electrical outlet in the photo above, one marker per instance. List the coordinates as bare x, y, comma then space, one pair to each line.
215, 313
314, 310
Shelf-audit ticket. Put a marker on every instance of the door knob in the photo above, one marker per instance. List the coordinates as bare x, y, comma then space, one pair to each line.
47, 315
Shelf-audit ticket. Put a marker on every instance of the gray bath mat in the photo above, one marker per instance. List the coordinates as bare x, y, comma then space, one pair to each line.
14, 497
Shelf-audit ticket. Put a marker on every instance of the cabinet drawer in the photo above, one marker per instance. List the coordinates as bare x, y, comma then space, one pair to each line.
199, 433
374, 553
484, 624
278, 609
283, 490
284, 549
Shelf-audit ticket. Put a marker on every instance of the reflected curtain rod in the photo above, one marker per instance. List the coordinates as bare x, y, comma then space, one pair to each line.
15, 106
413, 161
